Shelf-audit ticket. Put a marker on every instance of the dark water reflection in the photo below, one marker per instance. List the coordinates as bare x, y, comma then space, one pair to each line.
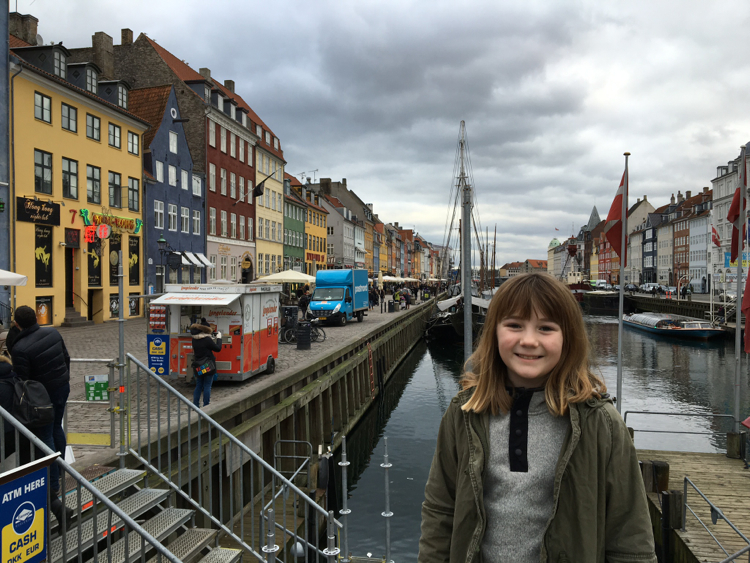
659, 375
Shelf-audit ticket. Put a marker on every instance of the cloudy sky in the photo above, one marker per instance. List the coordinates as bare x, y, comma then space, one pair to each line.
552, 93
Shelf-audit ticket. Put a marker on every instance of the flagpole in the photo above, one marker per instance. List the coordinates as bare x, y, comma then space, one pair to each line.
623, 244
738, 309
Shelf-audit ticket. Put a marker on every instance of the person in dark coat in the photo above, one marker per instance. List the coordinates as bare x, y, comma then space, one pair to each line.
39, 354
204, 347
304, 302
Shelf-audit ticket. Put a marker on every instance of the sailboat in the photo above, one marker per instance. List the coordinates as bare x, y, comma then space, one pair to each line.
462, 308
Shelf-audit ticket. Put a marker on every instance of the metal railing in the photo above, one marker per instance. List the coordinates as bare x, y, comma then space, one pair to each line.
110, 403
87, 538
193, 455
716, 515
698, 415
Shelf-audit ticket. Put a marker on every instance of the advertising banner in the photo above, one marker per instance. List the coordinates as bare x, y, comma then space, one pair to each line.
745, 260
23, 519
158, 353
115, 245
43, 255
39, 212
134, 260
95, 265
44, 310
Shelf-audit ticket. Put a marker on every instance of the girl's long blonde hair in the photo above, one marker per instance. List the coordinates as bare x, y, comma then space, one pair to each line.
571, 380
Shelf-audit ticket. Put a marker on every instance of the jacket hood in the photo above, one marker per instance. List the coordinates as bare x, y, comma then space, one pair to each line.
200, 328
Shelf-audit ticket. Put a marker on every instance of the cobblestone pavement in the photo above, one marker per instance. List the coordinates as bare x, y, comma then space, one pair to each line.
102, 342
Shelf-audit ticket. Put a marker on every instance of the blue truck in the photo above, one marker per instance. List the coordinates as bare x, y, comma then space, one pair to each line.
340, 296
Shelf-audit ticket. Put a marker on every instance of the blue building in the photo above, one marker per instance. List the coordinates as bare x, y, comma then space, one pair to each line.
173, 211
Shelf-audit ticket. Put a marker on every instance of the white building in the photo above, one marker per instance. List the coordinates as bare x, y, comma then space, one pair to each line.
724, 186
664, 253
700, 238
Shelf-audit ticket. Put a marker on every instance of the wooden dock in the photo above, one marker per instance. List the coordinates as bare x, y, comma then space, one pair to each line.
726, 484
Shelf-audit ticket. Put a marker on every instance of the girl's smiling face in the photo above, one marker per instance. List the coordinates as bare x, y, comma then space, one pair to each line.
530, 348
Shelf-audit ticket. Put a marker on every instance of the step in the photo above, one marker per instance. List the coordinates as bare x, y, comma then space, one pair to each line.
76, 321
160, 527
109, 485
189, 544
91, 474
134, 506
222, 555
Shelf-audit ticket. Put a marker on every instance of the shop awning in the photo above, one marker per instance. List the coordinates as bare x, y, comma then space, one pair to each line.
195, 299
185, 261
193, 259
205, 260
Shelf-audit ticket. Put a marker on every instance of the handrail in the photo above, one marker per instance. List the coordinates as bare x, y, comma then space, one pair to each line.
734, 556
700, 415
6, 417
716, 515
211, 440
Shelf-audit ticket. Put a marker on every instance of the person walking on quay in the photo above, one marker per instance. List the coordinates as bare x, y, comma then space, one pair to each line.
382, 295
407, 298
204, 361
39, 354
304, 303
533, 462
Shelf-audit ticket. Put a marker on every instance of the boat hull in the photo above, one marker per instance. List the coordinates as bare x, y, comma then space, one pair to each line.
680, 333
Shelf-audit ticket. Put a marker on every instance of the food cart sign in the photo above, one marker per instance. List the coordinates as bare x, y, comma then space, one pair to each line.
158, 353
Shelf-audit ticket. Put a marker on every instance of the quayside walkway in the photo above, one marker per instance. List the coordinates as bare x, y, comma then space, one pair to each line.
725, 483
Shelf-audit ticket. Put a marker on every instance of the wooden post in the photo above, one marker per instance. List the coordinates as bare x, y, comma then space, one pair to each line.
647, 471
671, 519
661, 476
736, 445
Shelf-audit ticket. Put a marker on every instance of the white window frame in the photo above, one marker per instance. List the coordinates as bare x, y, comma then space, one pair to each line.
185, 180
242, 227
250, 232
185, 219
233, 185
223, 139
158, 214
242, 188
196, 185
232, 148
223, 174
242, 149
172, 176
212, 269
212, 176
211, 133
233, 268
212, 221
196, 222
133, 143
233, 225
172, 215
173, 142
223, 223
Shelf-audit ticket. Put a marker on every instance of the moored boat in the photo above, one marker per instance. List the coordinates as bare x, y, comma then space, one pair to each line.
677, 326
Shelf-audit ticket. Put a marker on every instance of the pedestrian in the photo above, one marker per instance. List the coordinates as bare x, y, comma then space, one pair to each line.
533, 462
39, 354
407, 298
304, 302
382, 295
204, 361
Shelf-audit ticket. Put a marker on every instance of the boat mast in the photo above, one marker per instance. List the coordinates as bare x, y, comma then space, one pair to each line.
465, 187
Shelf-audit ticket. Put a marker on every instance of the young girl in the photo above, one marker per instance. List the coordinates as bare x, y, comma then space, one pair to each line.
533, 463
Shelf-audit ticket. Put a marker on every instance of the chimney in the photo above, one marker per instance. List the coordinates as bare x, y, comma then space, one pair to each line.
325, 185
304, 194
343, 181
308, 179
126, 36
671, 201
104, 53
680, 199
23, 26
229, 85
705, 191
637, 200
205, 73
687, 194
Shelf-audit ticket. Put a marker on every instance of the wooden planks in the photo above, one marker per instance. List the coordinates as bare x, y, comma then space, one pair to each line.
726, 484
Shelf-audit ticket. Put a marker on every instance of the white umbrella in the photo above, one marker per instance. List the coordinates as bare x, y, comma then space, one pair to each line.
10, 278
287, 276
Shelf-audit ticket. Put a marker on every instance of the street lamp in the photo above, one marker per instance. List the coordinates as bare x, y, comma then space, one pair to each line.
164, 248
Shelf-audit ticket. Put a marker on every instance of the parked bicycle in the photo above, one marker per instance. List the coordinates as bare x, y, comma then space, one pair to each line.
317, 334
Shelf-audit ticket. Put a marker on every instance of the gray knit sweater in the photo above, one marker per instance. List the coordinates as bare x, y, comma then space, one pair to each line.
518, 499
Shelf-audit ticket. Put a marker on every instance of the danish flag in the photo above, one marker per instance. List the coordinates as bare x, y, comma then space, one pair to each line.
715, 236
613, 226
734, 210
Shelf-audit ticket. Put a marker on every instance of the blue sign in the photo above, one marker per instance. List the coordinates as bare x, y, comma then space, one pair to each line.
23, 518
158, 353
745, 260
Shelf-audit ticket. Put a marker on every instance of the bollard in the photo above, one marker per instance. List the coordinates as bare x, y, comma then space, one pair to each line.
387, 514
331, 551
270, 548
345, 511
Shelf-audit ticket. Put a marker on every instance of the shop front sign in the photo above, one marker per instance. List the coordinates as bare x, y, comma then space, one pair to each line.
120, 223
40, 212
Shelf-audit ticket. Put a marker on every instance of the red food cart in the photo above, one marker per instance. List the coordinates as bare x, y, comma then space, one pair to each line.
247, 317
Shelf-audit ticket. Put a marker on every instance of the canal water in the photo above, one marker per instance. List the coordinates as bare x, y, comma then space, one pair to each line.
660, 375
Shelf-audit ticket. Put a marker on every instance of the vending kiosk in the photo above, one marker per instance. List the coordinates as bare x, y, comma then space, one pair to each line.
246, 316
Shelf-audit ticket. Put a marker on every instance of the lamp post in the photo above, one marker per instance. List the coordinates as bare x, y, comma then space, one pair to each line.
163, 249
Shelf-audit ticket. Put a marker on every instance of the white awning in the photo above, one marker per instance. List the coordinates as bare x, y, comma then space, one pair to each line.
193, 259
185, 261
205, 260
195, 299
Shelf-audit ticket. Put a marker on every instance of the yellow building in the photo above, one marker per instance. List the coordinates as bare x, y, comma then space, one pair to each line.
369, 249
316, 232
76, 187
269, 209
594, 262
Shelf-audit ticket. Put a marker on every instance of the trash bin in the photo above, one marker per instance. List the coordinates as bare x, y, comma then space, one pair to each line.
390, 307
303, 335
290, 312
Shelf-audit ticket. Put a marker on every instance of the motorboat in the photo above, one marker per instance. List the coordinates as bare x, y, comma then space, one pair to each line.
675, 326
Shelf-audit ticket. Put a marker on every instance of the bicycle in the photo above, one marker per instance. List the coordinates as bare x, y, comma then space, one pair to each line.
317, 334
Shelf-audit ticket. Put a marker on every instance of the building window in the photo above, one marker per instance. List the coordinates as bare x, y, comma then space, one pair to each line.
184, 180
233, 225
70, 178
242, 227
42, 107
159, 171
212, 269
158, 214
42, 172
133, 142
172, 176
212, 221
260, 227
273, 230
173, 142
268, 267
172, 210
242, 149
223, 272
250, 231
267, 229
232, 185
122, 96
275, 143
212, 177
223, 173
69, 118
115, 193
93, 127
211, 133
114, 135
232, 150
60, 67
224, 223
185, 217
223, 139
134, 203
93, 184
91, 82
242, 188
233, 268
268, 138
196, 222
259, 131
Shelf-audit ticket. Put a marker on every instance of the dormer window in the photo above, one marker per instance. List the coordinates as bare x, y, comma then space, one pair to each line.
60, 67
207, 94
275, 143
259, 131
91, 81
122, 96
268, 138
231, 112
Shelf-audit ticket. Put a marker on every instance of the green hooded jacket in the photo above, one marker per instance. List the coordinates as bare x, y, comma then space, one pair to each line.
600, 512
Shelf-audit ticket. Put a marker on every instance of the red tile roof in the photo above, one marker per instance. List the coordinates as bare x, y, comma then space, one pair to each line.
150, 104
180, 68
17, 42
